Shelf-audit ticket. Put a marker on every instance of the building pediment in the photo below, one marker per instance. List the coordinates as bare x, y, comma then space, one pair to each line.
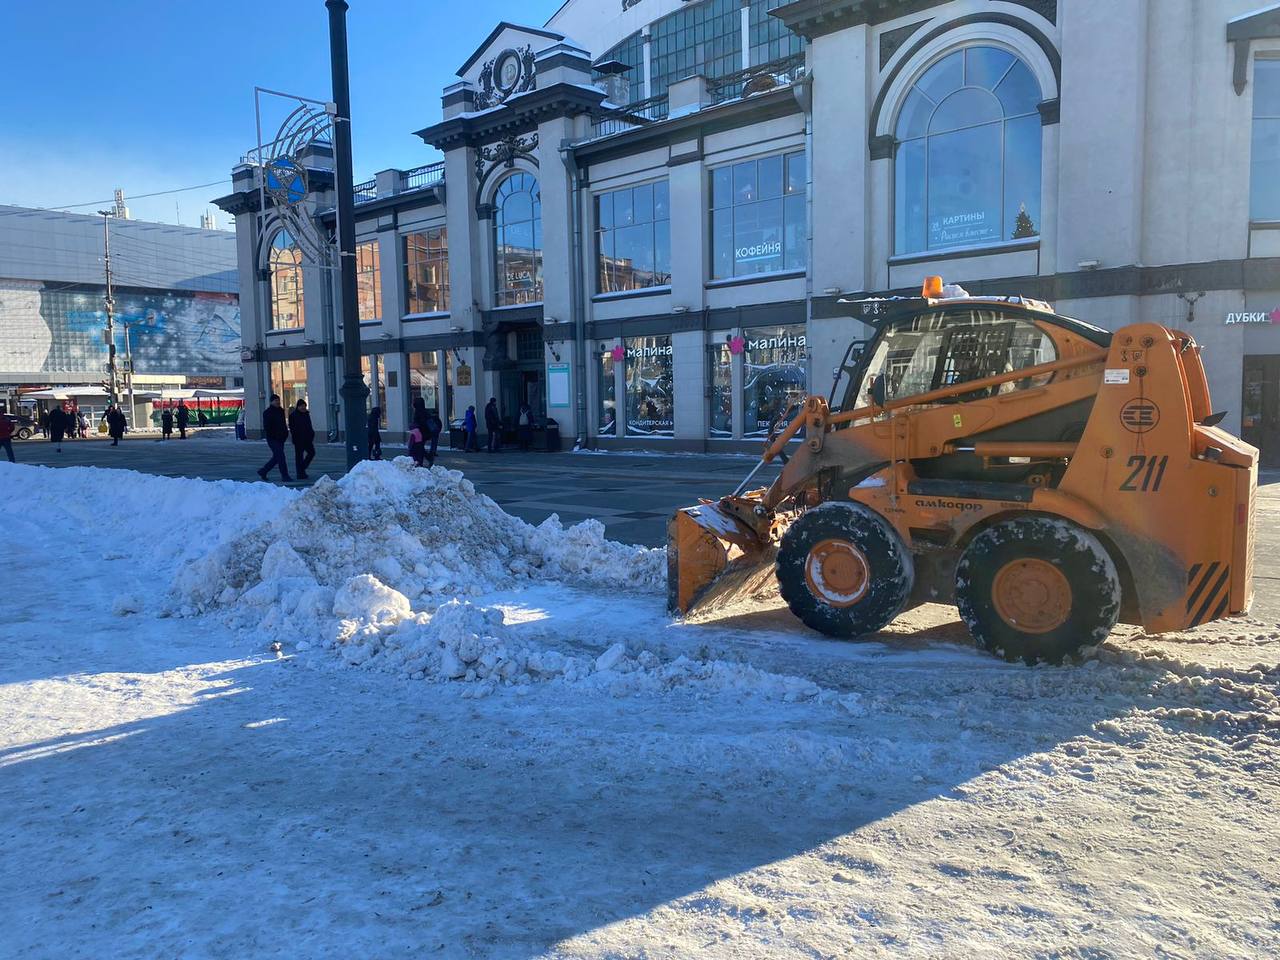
502, 66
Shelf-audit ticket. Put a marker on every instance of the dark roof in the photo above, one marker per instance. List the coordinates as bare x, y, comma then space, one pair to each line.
878, 312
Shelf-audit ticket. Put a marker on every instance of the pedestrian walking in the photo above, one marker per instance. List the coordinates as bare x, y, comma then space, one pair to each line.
44, 423
435, 426
115, 425
375, 433
275, 429
419, 431
82, 422
58, 423
166, 424
469, 442
493, 424
184, 418
304, 438
524, 425
240, 429
6, 435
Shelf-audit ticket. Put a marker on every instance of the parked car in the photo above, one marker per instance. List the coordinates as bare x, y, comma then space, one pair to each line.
24, 428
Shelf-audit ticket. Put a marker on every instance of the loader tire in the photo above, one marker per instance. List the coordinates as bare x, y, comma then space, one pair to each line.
1037, 589
843, 570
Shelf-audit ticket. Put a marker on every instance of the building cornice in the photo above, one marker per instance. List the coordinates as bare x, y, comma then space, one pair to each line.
1242, 31
725, 116
518, 115
816, 18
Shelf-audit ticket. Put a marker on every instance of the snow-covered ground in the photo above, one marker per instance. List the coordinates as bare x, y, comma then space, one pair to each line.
502, 747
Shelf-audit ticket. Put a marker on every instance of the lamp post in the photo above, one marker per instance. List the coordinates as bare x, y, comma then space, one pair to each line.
113, 388
353, 392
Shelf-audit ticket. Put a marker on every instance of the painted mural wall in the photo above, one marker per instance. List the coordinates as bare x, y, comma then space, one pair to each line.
55, 328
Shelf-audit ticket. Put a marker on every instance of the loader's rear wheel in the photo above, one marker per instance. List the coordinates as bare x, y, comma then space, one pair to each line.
1037, 589
844, 570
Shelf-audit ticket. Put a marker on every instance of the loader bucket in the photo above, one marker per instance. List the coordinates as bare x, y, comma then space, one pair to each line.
713, 559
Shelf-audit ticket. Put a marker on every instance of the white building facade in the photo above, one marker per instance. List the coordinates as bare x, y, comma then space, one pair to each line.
649, 210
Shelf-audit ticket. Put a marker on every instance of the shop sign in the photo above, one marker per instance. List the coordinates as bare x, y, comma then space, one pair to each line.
207, 383
961, 228
638, 353
1257, 316
784, 342
464, 375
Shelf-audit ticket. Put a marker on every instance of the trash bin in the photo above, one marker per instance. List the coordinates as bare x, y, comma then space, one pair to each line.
547, 436
457, 437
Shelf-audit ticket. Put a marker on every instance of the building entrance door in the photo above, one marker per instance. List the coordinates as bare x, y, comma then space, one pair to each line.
1260, 407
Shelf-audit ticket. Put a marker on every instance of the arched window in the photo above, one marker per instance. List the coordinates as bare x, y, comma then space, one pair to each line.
517, 236
967, 168
285, 261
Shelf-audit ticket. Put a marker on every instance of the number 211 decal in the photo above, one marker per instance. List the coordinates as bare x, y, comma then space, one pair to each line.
1146, 474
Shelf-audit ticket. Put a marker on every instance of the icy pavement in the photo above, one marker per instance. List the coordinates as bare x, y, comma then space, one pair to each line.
170, 787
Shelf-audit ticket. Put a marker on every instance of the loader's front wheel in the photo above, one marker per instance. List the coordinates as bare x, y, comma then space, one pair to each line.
843, 570
1035, 589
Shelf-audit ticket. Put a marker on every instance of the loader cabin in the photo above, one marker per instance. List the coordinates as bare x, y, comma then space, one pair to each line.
946, 337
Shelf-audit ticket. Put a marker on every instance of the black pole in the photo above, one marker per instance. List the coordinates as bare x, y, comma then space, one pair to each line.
353, 391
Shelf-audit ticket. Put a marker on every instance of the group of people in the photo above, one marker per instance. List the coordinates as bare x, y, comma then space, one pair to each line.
493, 427
425, 427
181, 416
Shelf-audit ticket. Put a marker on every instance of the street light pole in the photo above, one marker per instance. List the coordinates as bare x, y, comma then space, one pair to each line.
114, 387
353, 391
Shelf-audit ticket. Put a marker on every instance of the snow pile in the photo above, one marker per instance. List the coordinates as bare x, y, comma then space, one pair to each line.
462, 641
426, 534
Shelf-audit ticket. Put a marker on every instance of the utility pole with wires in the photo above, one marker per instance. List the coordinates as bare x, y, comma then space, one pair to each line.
113, 386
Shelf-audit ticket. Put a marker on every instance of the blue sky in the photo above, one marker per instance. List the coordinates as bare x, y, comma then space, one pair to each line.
150, 95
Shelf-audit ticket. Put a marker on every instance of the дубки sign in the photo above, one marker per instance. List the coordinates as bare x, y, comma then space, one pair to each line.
1253, 316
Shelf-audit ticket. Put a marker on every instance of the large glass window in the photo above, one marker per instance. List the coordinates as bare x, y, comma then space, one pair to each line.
375, 378
1264, 199
285, 261
650, 398
701, 38
631, 52
368, 282
720, 378
936, 350
517, 232
289, 379
770, 38
967, 170
758, 216
426, 271
633, 238
774, 375
608, 426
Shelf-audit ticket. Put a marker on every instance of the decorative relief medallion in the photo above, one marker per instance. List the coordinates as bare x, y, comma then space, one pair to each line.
511, 71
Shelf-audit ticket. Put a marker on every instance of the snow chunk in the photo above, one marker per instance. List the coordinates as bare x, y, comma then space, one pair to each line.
367, 598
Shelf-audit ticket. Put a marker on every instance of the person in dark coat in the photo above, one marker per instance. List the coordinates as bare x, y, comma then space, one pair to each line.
44, 423
184, 418
419, 431
275, 429
469, 442
115, 425
166, 424
7, 428
524, 426
493, 424
304, 438
435, 426
57, 425
375, 433
201, 419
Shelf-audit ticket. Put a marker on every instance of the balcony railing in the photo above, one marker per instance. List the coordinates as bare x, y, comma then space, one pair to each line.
424, 176
366, 191
729, 87
638, 114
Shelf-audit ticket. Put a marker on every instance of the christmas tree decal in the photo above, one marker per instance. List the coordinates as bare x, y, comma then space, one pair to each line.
1023, 226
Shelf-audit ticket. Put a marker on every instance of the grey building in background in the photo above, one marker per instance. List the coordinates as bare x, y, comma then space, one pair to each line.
648, 211
177, 289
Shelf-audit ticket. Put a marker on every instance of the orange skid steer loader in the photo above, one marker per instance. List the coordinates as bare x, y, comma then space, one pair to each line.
1048, 477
